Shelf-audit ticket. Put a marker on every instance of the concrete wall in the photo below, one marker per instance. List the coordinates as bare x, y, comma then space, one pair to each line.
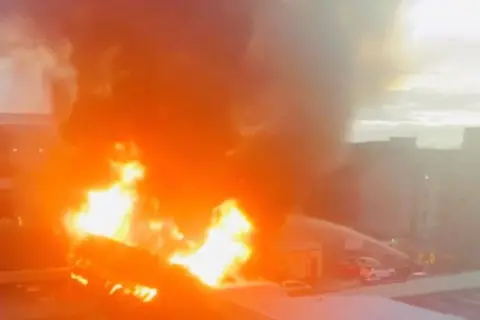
459, 206
389, 191
427, 194
25, 152
305, 265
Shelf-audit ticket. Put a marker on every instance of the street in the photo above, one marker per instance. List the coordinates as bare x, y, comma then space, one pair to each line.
419, 286
49, 300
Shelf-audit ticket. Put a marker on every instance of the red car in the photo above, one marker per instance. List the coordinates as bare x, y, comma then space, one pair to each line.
349, 269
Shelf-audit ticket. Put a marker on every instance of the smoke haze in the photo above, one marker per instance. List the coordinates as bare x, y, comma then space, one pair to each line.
300, 67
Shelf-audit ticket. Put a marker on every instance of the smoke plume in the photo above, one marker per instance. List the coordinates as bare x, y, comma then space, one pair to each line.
34, 65
244, 98
312, 63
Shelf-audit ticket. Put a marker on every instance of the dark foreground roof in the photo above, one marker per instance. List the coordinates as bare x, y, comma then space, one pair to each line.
464, 303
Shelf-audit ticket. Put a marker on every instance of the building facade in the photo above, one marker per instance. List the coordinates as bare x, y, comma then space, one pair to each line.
390, 188
304, 262
426, 195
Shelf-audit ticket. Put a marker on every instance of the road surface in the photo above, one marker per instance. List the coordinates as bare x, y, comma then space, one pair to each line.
46, 301
457, 294
426, 285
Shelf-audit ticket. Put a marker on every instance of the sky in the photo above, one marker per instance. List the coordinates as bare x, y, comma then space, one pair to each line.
442, 96
434, 103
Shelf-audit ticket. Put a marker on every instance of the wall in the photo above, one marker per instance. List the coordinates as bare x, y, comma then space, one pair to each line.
305, 265
389, 190
421, 194
459, 207
28, 145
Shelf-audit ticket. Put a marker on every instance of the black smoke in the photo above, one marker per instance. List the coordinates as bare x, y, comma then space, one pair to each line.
175, 77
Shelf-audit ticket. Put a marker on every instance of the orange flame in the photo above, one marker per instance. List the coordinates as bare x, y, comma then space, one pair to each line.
109, 213
224, 248
143, 293
82, 280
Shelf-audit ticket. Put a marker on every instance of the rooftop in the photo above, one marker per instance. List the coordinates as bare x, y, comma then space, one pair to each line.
464, 303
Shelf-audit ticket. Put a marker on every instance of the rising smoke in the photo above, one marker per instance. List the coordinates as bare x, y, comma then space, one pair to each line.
32, 64
324, 59
298, 68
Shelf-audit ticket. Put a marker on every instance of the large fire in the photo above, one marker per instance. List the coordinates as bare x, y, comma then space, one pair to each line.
223, 250
111, 212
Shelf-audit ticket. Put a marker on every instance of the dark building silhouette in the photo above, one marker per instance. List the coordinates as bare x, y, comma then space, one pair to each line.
392, 189
24, 142
471, 139
457, 201
389, 188
376, 191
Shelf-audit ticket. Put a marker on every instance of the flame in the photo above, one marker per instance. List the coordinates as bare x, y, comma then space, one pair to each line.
109, 212
82, 280
224, 248
144, 293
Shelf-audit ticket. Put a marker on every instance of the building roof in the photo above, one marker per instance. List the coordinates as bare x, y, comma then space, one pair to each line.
301, 245
27, 119
457, 294
464, 303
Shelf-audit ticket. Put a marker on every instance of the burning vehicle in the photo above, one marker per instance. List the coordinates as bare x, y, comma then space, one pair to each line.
134, 279
114, 260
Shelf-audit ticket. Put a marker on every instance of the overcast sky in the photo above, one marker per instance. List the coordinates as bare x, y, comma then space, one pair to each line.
435, 103
443, 96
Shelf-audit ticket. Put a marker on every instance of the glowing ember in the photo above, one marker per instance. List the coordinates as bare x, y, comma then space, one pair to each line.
82, 280
110, 212
143, 293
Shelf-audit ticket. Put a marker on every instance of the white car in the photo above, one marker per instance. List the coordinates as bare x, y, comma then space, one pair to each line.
372, 275
367, 262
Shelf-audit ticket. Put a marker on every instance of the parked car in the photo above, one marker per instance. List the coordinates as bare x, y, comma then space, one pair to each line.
378, 275
367, 262
353, 267
348, 269
296, 288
